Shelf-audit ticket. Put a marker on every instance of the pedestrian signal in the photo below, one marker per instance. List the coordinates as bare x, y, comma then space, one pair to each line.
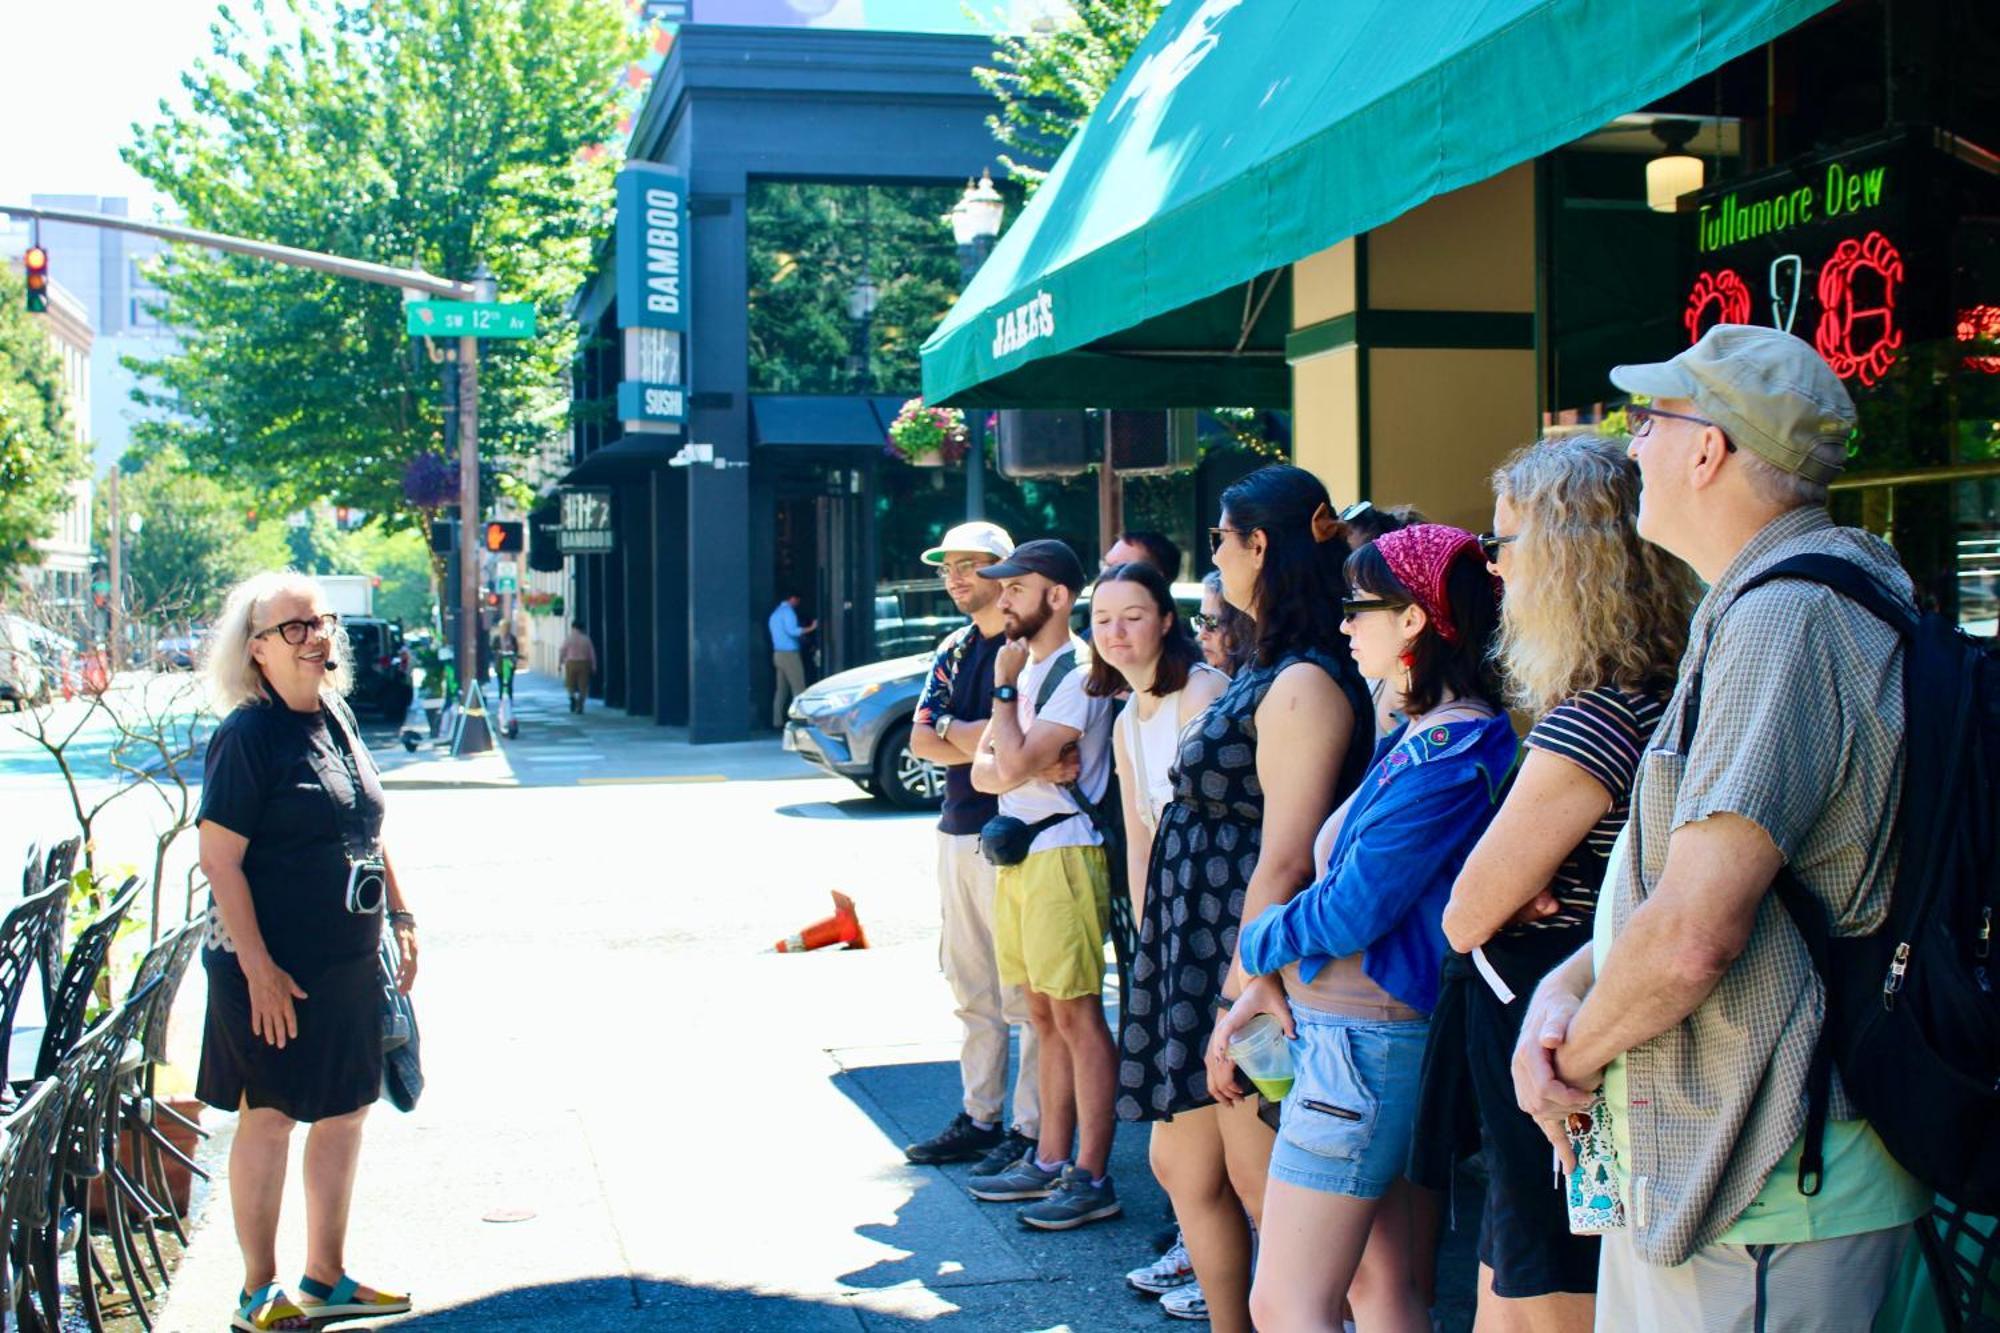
503, 536
37, 261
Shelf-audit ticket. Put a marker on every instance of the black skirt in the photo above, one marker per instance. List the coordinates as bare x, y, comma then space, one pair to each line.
332, 1067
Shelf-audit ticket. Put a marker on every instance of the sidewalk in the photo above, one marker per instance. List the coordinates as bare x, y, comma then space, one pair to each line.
600, 747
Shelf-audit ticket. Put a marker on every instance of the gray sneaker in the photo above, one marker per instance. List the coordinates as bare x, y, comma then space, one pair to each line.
1009, 1151
1023, 1180
1073, 1202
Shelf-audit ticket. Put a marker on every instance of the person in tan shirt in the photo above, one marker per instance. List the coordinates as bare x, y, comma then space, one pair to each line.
578, 659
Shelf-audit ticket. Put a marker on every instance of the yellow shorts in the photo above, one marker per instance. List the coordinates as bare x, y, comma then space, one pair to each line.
1049, 917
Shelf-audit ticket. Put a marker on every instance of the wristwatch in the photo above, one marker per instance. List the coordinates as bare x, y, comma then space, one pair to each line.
942, 726
1005, 694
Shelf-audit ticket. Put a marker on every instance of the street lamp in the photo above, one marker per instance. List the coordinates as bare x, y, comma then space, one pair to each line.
975, 224
862, 298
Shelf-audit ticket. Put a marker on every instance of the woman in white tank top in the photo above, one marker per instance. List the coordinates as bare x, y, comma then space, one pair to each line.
1140, 644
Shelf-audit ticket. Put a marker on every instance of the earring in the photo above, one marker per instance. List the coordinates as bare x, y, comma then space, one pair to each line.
1408, 659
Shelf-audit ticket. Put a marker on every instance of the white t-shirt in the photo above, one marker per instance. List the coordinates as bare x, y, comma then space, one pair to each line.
1070, 706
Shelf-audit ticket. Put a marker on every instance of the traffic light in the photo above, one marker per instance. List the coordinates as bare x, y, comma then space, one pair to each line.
503, 536
37, 261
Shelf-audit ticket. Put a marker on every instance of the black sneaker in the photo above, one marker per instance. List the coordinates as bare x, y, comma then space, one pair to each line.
960, 1141
1073, 1202
1012, 1148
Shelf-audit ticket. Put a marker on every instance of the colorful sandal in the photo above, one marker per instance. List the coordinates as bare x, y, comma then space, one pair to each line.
268, 1307
343, 1300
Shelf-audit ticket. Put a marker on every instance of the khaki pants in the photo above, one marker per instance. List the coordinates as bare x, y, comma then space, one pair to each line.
791, 671
1816, 1286
985, 1007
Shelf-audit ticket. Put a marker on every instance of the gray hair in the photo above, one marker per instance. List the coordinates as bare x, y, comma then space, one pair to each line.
1790, 490
233, 676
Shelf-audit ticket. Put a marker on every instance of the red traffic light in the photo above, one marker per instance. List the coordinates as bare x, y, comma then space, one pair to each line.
36, 259
502, 536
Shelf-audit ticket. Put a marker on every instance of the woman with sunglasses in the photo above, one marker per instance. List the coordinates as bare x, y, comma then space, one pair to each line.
1254, 777
1349, 966
1596, 672
290, 839
1223, 632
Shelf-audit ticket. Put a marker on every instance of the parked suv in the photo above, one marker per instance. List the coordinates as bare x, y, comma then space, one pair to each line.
857, 723
24, 678
381, 667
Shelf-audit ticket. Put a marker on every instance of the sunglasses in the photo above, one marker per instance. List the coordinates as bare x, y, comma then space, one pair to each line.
1640, 420
1350, 607
1215, 536
1205, 623
296, 632
1491, 542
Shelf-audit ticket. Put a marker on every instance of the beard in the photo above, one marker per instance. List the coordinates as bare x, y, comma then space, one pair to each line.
1028, 624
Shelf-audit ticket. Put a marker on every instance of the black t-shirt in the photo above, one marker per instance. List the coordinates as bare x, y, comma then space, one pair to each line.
961, 684
279, 779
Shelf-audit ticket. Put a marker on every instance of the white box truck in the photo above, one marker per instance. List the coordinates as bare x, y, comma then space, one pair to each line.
349, 595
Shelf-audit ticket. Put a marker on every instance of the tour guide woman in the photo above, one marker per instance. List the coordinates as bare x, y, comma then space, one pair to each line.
291, 817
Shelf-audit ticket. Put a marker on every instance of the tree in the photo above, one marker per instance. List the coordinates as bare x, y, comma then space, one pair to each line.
1048, 83
39, 454
197, 537
444, 132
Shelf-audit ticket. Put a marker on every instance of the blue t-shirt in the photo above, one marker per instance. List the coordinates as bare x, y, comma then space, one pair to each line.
784, 629
960, 683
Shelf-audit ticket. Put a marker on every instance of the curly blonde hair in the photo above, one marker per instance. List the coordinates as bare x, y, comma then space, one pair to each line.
233, 676
1589, 602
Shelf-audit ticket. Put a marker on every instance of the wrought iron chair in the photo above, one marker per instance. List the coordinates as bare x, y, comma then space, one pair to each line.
57, 868
86, 1152
28, 1139
22, 932
79, 979
144, 1184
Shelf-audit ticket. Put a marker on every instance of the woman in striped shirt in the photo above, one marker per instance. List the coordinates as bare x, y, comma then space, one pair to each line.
1592, 628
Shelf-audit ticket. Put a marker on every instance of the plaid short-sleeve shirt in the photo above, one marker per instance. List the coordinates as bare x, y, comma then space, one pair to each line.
1801, 732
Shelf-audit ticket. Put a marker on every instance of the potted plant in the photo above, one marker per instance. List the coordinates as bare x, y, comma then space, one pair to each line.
925, 436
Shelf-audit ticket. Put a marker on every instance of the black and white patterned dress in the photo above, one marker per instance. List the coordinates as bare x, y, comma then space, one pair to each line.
1203, 856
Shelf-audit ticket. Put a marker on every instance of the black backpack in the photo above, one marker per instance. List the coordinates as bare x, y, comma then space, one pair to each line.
1913, 1023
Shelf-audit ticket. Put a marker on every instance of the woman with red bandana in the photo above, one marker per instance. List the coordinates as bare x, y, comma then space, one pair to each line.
1349, 967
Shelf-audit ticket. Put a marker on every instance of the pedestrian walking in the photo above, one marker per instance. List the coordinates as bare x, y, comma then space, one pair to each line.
1693, 1016
290, 839
1052, 904
577, 659
787, 660
1349, 967
1592, 626
951, 714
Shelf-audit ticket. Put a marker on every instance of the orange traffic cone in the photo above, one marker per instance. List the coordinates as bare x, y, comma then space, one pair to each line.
843, 927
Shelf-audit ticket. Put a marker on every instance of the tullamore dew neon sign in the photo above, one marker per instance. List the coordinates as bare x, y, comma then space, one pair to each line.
1729, 221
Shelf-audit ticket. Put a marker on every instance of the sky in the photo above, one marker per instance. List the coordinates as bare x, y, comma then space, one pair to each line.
95, 67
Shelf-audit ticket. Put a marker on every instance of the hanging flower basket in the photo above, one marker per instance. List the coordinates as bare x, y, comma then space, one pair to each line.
925, 436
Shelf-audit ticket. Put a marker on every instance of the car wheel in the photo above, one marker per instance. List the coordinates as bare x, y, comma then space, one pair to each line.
905, 780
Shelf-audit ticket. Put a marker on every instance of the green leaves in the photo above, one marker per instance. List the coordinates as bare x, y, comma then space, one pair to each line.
443, 132
39, 455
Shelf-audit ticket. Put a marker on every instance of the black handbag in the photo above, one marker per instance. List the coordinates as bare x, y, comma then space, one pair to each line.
402, 1055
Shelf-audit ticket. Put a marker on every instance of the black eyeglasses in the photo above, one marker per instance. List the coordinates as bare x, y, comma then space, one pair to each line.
1351, 607
1215, 536
296, 632
1491, 542
1640, 419
1204, 623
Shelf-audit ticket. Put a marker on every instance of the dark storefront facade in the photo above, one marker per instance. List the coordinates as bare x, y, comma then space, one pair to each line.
753, 494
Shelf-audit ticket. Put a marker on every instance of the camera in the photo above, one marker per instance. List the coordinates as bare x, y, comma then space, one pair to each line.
367, 887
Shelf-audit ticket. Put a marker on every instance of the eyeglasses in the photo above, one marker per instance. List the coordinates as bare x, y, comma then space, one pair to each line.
296, 632
961, 569
1215, 536
1355, 606
1205, 623
1355, 510
1640, 419
1491, 542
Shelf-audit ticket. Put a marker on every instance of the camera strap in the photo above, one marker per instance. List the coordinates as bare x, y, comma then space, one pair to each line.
361, 844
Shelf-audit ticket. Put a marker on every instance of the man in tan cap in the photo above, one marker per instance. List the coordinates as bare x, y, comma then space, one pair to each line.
957, 699
1695, 1012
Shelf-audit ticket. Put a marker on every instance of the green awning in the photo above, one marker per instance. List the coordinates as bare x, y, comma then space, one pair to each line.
1248, 134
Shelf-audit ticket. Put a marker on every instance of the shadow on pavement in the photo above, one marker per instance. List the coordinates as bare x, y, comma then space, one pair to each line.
854, 807
619, 1303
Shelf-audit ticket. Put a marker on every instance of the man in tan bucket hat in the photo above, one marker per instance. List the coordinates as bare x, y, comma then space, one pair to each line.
1686, 1012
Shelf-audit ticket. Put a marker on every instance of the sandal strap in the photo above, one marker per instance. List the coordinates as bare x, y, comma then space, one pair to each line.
269, 1307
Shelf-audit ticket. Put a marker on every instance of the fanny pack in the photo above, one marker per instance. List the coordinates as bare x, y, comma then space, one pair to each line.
1006, 840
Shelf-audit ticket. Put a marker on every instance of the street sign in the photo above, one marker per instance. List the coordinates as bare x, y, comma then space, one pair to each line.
469, 319
507, 569
506, 583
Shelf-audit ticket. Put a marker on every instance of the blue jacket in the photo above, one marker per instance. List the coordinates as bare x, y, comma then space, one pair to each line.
1414, 820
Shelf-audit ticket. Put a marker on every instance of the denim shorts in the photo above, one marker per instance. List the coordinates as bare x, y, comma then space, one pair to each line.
1345, 1126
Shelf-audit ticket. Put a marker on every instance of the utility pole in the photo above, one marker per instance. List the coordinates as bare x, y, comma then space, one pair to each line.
469, 525
117, 530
